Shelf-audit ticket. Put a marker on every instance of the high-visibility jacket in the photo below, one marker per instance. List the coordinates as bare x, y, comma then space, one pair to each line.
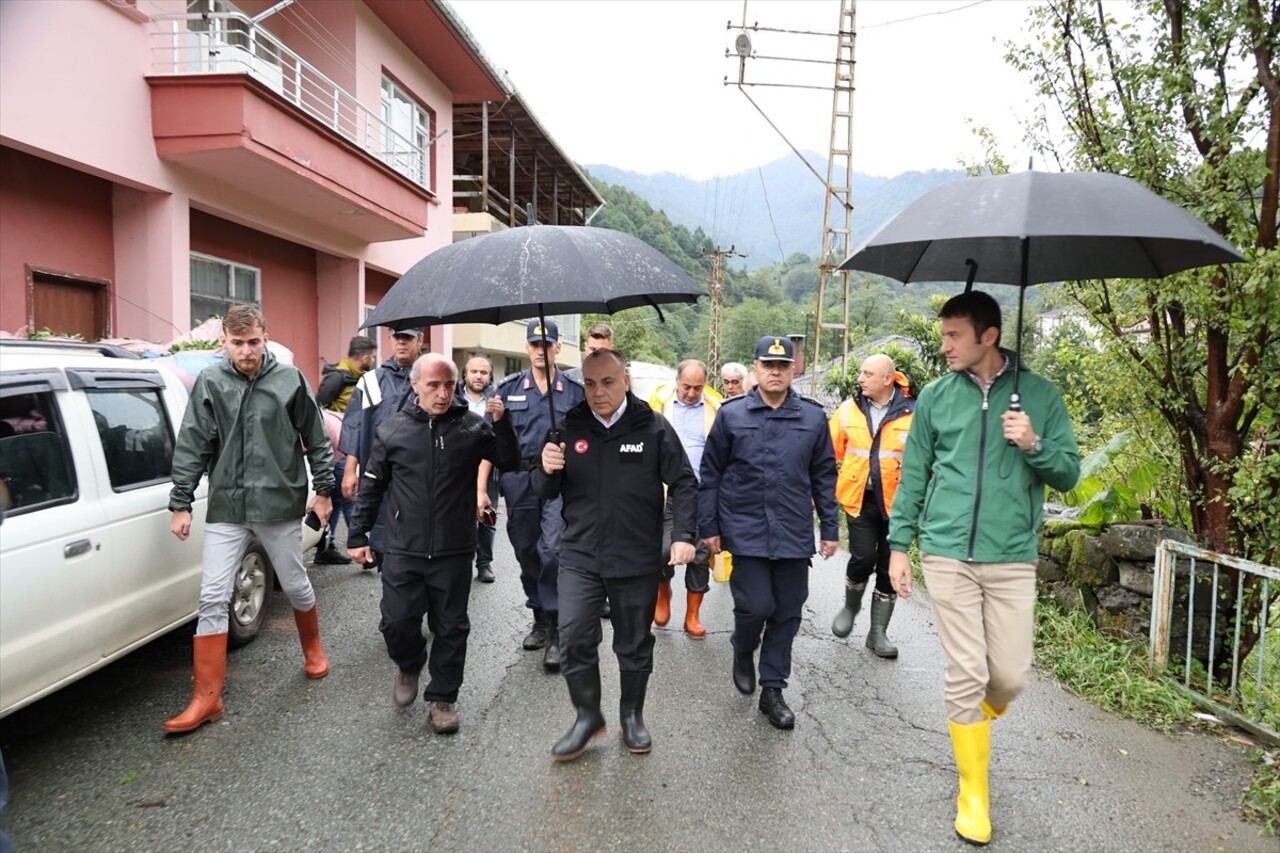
864, 457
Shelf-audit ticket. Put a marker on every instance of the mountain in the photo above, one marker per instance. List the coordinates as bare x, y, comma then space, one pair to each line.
775, 210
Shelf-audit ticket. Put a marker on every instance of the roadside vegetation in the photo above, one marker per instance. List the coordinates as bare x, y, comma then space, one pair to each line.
1117, 675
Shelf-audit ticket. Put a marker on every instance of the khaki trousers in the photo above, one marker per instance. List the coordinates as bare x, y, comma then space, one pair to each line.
986, 618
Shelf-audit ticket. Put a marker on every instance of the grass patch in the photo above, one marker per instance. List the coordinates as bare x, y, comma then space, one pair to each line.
1261, 800
1114, 674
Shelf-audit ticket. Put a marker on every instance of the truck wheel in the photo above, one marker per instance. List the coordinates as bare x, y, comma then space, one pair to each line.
250, 595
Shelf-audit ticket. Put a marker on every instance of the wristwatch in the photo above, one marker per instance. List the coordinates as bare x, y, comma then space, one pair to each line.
1036, 446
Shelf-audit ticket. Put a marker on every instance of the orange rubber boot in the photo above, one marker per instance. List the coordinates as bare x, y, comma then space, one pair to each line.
317, 665
662, 612
210, 662
692, 626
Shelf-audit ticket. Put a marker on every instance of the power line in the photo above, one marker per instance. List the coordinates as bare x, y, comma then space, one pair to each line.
925, 15
769, 207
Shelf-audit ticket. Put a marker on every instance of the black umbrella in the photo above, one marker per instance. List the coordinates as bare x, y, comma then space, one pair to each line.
530, 271
1035, 227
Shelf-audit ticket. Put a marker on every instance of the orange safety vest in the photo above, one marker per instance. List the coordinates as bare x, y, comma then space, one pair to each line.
854, 444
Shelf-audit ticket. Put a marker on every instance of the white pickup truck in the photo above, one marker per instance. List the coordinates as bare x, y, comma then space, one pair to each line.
88, 568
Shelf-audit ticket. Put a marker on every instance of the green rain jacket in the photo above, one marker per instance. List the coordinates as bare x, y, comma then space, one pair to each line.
967, 492
250, 437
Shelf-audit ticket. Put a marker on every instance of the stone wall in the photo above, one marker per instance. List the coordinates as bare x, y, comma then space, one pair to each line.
1110, 574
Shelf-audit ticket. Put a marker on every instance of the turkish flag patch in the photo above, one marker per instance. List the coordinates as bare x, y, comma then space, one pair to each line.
580, 446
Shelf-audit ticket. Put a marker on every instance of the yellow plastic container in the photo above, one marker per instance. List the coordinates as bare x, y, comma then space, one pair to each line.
723, 567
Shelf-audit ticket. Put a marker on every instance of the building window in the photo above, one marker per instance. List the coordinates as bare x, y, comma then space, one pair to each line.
408, 144
218, 284
513, 365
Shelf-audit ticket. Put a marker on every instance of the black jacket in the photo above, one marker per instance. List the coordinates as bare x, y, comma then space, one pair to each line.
612, 488
425, 469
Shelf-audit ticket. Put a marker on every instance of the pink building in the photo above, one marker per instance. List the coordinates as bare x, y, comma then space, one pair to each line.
162, 159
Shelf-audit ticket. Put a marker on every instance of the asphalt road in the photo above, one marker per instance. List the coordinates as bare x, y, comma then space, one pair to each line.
333, 764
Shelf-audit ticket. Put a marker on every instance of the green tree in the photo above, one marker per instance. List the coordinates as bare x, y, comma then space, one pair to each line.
1186, 100
926, 331
746, 323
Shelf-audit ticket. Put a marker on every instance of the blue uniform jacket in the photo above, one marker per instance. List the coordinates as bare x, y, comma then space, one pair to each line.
378, 396
527, 408
763, 472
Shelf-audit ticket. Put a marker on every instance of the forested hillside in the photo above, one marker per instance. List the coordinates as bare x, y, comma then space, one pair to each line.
776, 298
774, 211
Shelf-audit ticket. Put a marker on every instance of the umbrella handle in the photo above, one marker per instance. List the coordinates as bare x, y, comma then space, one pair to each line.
1015, 405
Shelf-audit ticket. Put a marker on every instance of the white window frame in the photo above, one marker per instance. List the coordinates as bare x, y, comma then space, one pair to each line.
230, 299
416, 167
374, 332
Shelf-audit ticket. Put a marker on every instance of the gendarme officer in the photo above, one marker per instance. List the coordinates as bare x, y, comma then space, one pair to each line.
767, 463
533, 525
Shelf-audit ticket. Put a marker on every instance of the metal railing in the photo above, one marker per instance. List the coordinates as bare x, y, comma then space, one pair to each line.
230, 43
1248, 699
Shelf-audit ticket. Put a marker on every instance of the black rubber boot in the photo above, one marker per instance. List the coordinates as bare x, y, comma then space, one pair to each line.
551, 656
631, 712
843, 623
584, 692
744, 672
881, 613
537, 636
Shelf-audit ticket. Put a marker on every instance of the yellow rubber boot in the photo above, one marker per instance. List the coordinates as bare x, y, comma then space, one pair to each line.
972, 745
993, 713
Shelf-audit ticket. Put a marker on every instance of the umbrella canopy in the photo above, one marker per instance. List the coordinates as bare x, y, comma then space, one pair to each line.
534, 270
1034, 227
523, 272
1070, 225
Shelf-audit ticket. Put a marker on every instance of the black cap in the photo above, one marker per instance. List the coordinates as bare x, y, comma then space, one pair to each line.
775, 349
535, 331
415, 331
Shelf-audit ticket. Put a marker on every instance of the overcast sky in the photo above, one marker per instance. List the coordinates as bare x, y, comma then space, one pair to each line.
638, 84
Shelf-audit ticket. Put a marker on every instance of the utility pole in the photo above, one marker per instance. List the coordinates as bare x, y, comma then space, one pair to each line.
836, 237
717, 257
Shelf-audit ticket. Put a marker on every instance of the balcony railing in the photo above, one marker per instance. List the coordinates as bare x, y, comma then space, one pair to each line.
230, 43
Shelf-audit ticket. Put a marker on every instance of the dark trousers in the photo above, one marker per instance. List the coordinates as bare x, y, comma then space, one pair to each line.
697, 575
341, 506
439, 588
869, 546
582, 594
534, 527
485, 531
768, 596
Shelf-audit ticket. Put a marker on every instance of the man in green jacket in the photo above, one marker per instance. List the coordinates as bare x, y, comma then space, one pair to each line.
248, 424
973, 485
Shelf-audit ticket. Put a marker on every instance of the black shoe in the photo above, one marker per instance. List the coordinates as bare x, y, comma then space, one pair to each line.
331, 556
744, 672
551, 655
484, 574
584, 692
537, 636
606, 612
631, 712
773, 706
